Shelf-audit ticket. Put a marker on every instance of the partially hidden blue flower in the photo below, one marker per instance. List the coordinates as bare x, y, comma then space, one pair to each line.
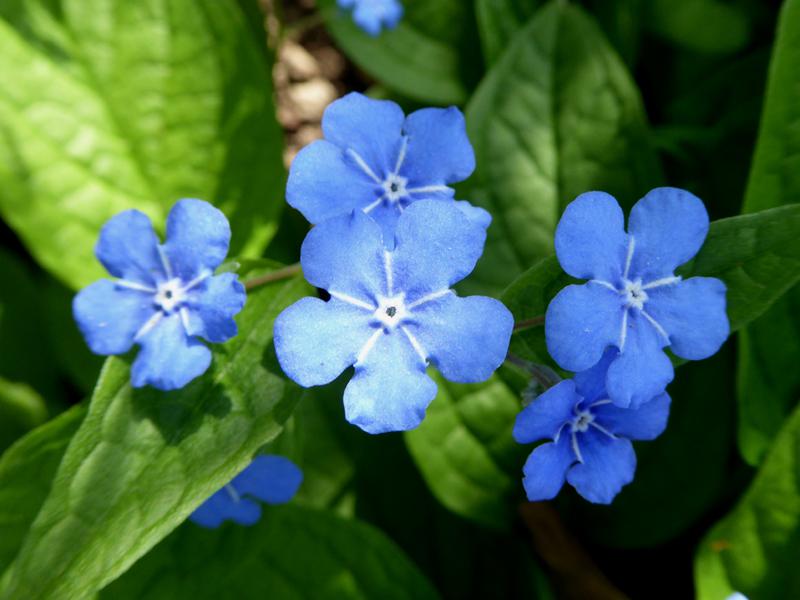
633, 301
377, 160
391, 313
269, 478
374, 15
166, 296
590, 445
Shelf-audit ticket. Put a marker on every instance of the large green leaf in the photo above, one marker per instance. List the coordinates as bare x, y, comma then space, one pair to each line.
769, 382
143, 460
21, 409
292, 553
26, 475
756, 255
557, 115
465, 451
711, 26
428, 57
119, 105
754, 549
498, 21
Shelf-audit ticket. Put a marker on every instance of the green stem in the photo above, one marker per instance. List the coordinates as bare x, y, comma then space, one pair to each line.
284, 273
529, 323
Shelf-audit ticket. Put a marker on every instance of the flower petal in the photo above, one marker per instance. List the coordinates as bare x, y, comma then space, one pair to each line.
169, 359
324, 183
222, 507
475, 213
272, 479
438, 151
465, 338
128, 248
437, 246
370, 130
591, 383
390, 390
547, 414
693, 314
580, 323
546, 469
669, 226
345, 255
109, 316
642, 371
644, 423
212, 305
590, 239
370, 16
608, 465
198, 235
315, 341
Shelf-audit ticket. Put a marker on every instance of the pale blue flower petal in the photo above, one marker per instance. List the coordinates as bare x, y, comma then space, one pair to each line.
547, 414
580, 323
221, 507
270, 478
315, 341
390, 390
466, 339
608, 465
374, 15
212, 306
128, 248
644, 423
169, 359
198, 236
591, 383
546, 469
439, 151
109, 316
324, 183
475, 213
669, 226
693, 313
590, 238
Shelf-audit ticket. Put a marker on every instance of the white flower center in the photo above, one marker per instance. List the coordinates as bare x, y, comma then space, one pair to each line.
170, 295
582, 421
394, 187
391, 311
634, 294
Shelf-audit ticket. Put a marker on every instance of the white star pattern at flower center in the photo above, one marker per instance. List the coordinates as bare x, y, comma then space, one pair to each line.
391, 311
394, 187
170, 294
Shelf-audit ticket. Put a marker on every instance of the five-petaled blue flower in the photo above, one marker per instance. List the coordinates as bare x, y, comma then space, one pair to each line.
376, 160
374, 15
166, 296
271, 479
591, 446
391, 313
633, 300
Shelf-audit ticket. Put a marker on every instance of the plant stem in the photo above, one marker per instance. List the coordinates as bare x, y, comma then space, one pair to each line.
529, 323
543, 375
284, 273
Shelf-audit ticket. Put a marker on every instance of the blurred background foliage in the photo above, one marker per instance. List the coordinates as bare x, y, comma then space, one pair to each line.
108, 105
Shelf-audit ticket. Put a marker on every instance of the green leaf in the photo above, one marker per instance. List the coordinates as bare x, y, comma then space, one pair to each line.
26, 474
292, 553
754, 549
465, 451
420, 58
21, 409
556, 116
757, 256
119, 105
143, 460
769, 350
498, 21
708, 26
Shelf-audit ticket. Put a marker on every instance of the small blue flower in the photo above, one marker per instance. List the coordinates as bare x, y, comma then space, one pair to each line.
376, 160
591, 446
391, 313
166, 296
633, 300
271, 479
374, 15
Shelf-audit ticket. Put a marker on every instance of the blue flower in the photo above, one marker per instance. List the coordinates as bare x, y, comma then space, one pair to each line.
271, 479
374, 15
376, 160
633, 300
591, 446
166, 296
391, 313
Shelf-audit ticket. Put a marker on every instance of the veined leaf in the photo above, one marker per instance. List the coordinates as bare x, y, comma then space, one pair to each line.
119, 105
498, 21
292, 553
143, 460
556, 116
